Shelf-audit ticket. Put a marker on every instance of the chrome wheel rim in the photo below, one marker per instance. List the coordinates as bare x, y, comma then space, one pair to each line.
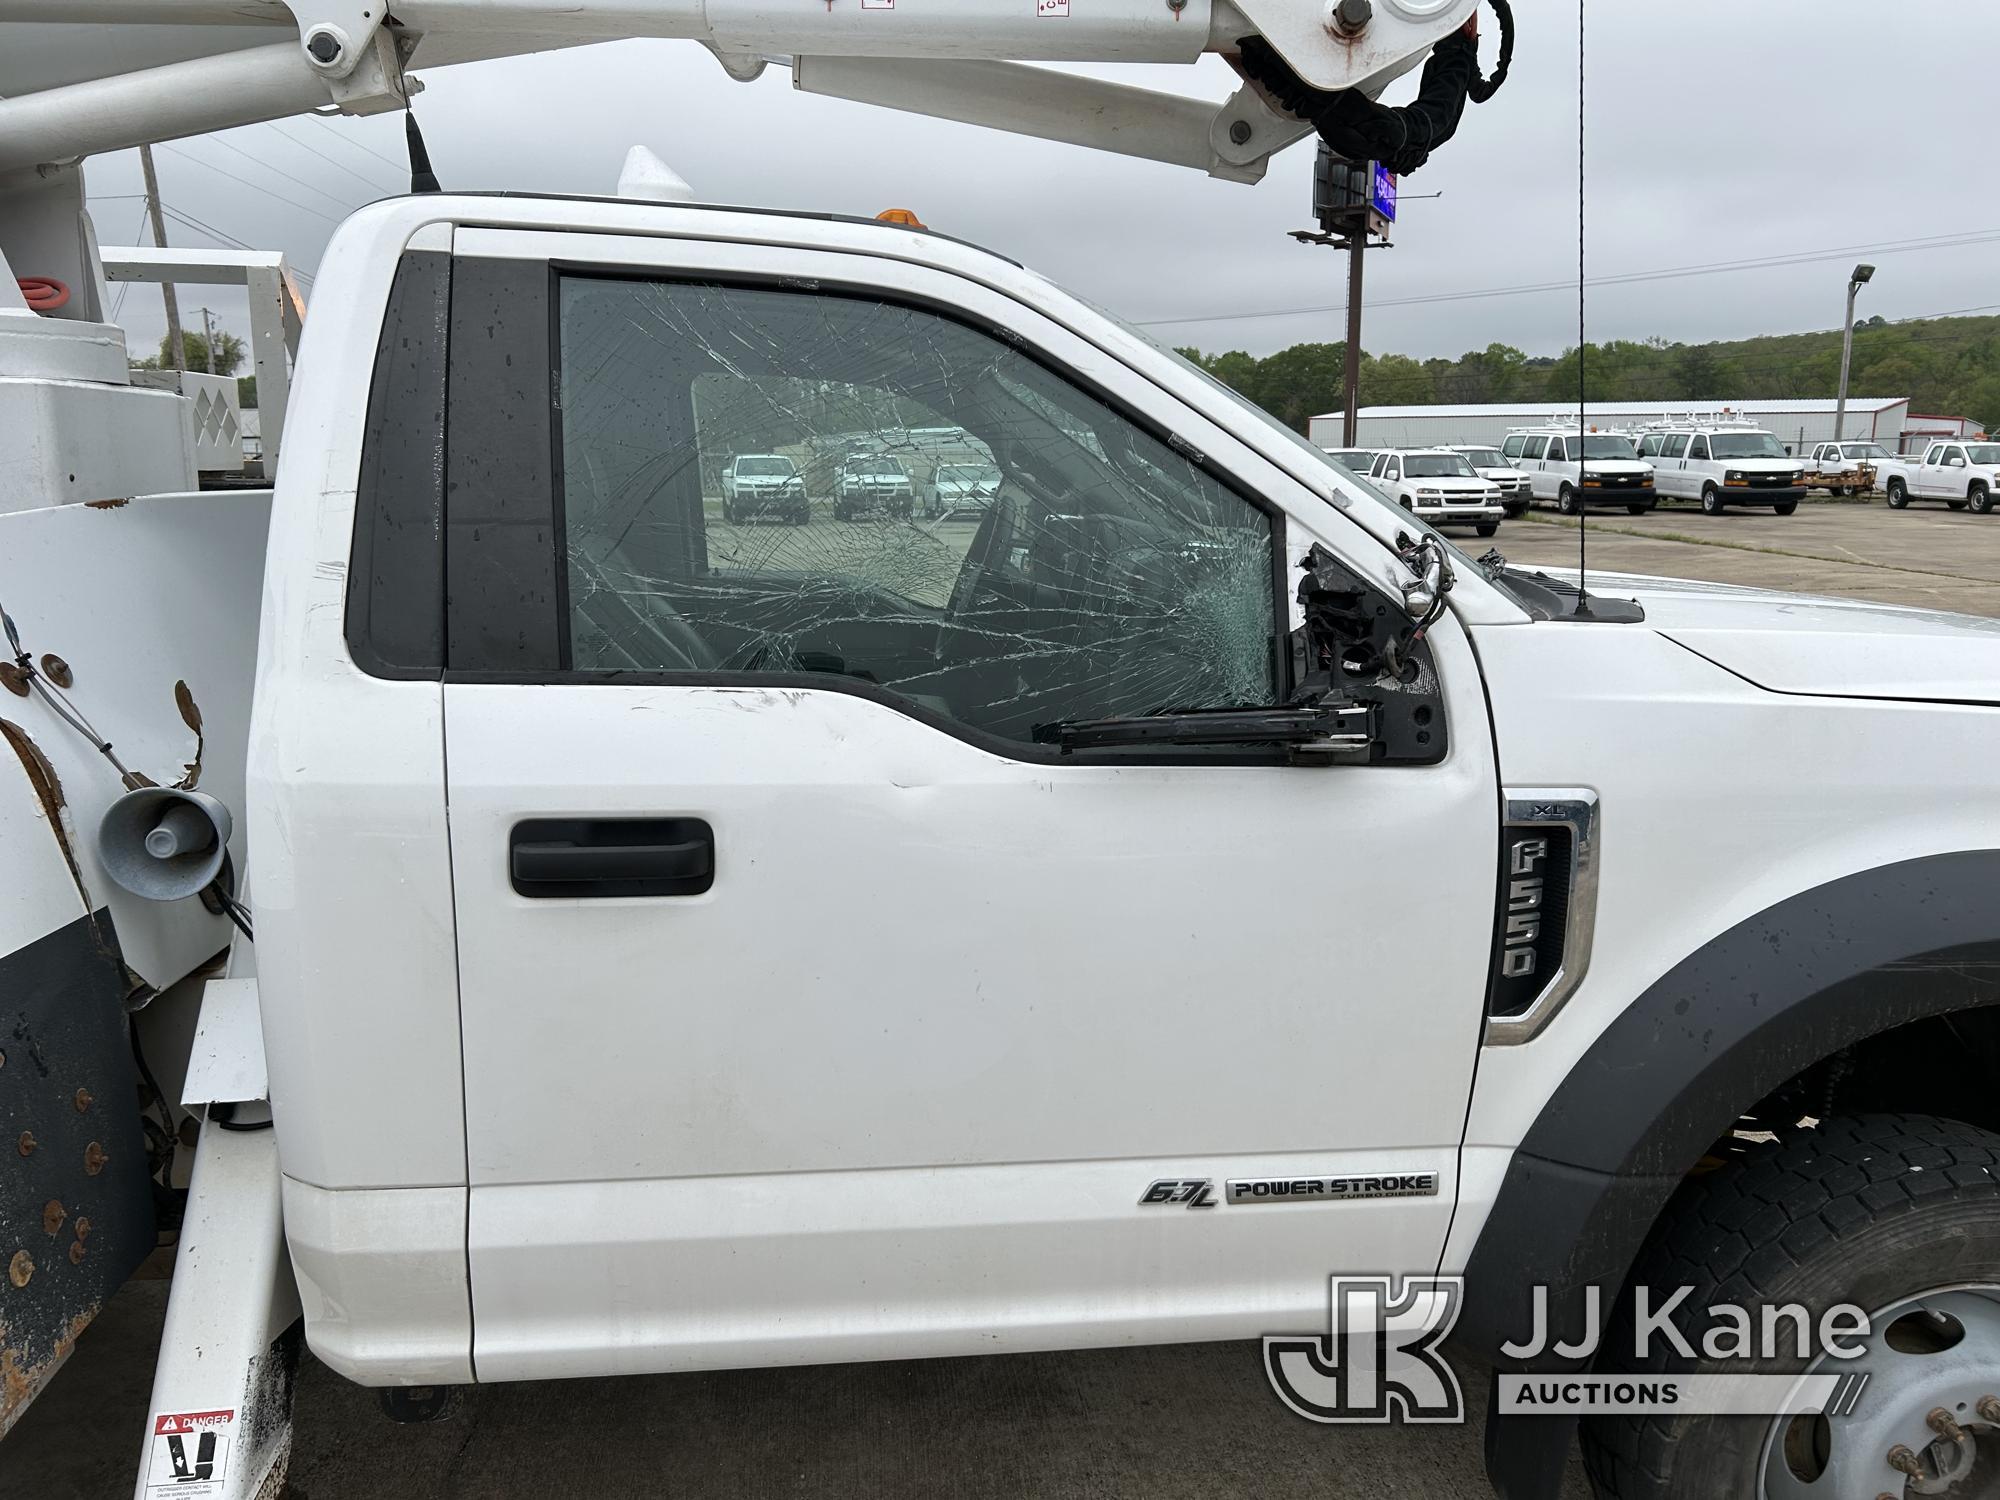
1925, 1423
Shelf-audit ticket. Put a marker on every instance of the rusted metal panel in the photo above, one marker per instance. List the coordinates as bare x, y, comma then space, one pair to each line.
76, 1198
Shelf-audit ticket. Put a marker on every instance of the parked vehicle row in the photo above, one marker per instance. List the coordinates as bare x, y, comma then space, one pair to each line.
865, 483
1716, 463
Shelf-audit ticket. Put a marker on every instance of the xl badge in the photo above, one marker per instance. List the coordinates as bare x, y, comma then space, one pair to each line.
1188, 1192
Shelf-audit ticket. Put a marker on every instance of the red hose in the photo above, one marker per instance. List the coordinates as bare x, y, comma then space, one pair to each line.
44, 293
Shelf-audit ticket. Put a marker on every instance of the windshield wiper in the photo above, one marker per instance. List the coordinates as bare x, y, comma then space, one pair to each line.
1325, 732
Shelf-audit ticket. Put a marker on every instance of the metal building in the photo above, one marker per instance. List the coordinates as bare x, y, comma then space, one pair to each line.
1883, 419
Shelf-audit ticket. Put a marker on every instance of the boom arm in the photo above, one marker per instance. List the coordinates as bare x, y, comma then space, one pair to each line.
79, 77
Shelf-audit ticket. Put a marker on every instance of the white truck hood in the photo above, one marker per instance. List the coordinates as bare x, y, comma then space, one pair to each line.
1843, 648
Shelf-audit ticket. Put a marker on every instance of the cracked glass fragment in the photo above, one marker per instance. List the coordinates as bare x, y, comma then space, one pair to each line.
763, 482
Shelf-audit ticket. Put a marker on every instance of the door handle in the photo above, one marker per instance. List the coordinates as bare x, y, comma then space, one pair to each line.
572, 858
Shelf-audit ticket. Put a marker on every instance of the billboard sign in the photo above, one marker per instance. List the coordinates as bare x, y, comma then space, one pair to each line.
1382, 196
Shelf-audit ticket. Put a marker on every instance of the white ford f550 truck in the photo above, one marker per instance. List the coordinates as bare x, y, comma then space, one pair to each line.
819, 944
1099, 916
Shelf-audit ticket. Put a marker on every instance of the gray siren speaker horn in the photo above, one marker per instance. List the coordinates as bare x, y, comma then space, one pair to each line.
164, 844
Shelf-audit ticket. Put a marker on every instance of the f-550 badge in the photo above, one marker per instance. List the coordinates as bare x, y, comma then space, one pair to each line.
1525, 888
1188, 1192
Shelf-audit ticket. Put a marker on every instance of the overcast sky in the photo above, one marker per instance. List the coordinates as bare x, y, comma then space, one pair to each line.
1718, 131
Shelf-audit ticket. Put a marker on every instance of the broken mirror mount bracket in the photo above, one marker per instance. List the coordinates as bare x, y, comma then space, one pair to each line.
1359, 646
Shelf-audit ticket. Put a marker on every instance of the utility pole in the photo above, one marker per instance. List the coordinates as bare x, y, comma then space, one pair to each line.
208, 341
176, 352
1861, 277
1355, 203
1357, 254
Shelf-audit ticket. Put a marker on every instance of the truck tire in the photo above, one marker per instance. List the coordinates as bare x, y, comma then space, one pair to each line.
1981, 500
1898, 494
1638, 510
1897, 1214
1786, 507
1489, 528
1566, 501
1711, 500
1954, 505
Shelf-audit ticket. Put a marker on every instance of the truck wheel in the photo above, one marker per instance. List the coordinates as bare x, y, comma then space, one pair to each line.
1488, 528
1897, 495
1566, 501
1981, 500
1638, 510
1786, 507
1711, 500
1954, 505
1896, 1214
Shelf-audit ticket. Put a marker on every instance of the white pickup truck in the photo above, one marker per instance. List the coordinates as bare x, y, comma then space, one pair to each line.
683, 946
1845, 468
1961, 474
829, 948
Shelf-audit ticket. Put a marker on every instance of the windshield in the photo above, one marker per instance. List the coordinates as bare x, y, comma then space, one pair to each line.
758, 468
1745, 445
1984, 453
1606, 445
1485, 458
1865, 450
1437, 466
968, 474
876, 468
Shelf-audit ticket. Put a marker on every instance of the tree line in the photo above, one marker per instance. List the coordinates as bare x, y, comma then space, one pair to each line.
1946, 366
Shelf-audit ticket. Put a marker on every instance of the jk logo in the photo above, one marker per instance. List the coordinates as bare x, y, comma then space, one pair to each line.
1378, 1360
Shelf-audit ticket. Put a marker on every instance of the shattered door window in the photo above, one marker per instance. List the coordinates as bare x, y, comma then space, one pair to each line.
789, 483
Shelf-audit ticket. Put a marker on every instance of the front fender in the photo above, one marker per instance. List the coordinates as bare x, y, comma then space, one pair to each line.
1743, 1014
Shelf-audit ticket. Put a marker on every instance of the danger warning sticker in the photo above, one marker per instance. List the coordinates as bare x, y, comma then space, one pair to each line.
1051, 7
190, 1453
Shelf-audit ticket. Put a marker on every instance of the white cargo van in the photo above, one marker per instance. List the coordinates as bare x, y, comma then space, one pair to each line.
1724, 463
1576, 468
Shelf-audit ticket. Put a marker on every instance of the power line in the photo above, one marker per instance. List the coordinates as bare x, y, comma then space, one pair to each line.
118, 302
257, 187
181, 216
338, 166
401, 167
1628, 278
275, 170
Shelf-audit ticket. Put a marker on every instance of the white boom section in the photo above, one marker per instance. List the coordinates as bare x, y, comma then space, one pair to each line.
99, 75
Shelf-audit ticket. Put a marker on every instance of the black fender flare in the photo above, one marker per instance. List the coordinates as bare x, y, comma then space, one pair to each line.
1732, 1021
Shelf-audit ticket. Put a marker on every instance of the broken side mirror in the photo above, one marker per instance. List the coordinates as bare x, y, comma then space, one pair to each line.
1358, 645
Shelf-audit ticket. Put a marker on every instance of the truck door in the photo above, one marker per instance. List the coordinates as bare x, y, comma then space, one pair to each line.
814, 1007
1943, 476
